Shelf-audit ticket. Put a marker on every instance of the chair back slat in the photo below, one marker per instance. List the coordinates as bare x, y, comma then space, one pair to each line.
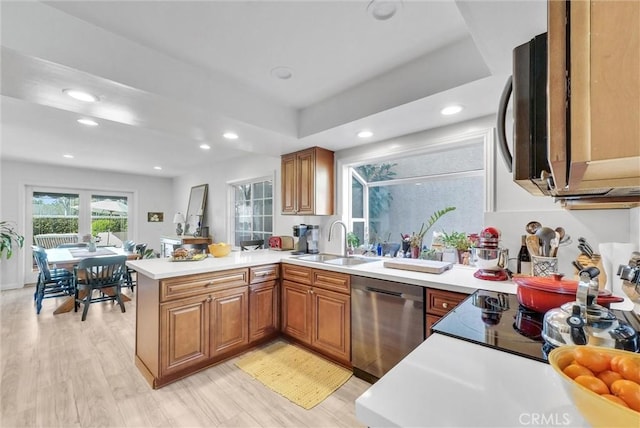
40, 256
254, 244
103, 271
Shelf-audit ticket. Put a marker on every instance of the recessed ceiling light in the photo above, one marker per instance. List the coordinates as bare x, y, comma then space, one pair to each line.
282, 73
80, 95
365, 134
452, 109
68, 156
383, 9
88, 122
157, 167
230, 135
205, 146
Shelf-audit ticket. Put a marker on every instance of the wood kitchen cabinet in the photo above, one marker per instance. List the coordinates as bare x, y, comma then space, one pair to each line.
439, 303
263, 302
307, 182
594, 130
190, 322
316, 310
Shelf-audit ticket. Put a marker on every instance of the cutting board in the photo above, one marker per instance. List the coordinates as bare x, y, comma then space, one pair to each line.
419, 265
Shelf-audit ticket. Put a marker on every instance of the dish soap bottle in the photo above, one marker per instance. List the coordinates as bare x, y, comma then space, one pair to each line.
524, 258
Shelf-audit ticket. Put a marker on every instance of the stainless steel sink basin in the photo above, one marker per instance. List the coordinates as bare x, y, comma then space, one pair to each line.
319, 257
349, 261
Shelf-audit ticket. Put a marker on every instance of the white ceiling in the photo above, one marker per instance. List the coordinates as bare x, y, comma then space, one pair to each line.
174, 74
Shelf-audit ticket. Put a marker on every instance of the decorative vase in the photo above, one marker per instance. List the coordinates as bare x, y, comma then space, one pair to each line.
92, 247
415, 252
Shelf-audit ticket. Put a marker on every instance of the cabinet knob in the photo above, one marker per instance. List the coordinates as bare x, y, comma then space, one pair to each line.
445, 305
209, 283
209, 299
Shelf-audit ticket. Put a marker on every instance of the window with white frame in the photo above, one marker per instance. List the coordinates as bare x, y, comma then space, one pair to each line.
253, 210
394, 196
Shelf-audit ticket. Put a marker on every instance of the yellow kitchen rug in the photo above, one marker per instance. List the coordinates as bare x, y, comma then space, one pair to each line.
298, 375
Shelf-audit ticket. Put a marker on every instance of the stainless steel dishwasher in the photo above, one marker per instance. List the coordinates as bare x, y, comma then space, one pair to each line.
387, 322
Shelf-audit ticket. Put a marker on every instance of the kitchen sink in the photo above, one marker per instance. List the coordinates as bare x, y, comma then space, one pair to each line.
349, 261
319, 257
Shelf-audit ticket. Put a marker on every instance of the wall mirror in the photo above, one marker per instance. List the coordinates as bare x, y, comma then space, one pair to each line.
196, 209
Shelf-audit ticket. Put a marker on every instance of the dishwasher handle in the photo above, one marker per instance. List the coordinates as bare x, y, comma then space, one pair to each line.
392, 293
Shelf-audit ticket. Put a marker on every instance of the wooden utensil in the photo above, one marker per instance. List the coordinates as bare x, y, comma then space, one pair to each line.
533, 245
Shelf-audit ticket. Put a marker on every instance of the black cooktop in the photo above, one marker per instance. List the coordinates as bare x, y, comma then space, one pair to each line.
498, 321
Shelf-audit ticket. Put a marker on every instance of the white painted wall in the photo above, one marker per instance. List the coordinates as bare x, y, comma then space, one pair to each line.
149, 194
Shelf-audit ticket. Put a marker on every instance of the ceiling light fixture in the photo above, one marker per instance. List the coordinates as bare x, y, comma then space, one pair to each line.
452, 109
230, 135
365, 134
157, 167
68, 156
81, 95
382, 10
282, 72
88, 122
205, 146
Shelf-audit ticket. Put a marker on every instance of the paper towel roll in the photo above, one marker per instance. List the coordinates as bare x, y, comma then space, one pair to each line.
615, 254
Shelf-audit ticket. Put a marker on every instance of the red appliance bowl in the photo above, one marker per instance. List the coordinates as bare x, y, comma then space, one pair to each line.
541, 294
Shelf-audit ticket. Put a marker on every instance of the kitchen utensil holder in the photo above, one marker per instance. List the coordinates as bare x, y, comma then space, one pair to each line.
544, 266
595, 260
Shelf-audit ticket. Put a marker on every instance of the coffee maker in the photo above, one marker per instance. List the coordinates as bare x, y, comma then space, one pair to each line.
307, 235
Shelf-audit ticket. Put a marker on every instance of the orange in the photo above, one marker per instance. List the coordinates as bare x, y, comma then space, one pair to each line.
609, 376
615, 399
575, 370
592, 359
628, 391
593, 383
629, 368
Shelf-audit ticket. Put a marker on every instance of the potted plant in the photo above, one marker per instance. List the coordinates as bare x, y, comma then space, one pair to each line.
353, 242
416, 238
458, 241
9, 238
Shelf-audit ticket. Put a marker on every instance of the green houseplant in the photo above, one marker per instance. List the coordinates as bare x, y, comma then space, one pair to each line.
458, 241
416, 239
9, 238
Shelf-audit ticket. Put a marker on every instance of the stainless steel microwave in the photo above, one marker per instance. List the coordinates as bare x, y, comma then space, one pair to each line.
528, 84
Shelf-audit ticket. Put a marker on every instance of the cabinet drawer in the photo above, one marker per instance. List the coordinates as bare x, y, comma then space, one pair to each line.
332, 280
192, 285
264, 273
295, 273
439, 302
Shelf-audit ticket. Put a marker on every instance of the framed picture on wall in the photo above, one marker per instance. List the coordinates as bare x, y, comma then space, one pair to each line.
155, 217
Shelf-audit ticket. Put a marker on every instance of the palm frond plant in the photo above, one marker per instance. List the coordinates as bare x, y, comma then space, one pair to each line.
10, 238
416, 238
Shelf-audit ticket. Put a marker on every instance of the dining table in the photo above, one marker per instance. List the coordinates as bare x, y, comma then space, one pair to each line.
68, 258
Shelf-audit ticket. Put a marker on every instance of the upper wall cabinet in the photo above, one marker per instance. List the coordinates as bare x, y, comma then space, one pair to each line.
308, 182
594, 96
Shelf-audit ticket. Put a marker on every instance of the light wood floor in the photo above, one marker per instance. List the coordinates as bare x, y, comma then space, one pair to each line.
57, 371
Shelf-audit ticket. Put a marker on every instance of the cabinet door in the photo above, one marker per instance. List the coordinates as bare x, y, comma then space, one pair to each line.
263, 310
289, 185
306, 192
331, 323
229, 326
296, 311
430, 321
184, 336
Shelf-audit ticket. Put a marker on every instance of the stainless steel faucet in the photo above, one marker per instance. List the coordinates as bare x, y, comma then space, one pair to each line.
344, 226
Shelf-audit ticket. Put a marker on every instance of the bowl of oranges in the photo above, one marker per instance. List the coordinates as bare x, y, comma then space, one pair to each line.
604, 383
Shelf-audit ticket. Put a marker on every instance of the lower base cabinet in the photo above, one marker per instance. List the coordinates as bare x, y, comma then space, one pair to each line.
188, 323
439, 303
318, 313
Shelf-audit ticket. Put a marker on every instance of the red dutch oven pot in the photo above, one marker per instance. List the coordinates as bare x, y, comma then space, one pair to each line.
541, 294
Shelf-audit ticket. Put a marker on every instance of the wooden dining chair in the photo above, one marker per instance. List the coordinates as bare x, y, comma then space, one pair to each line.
102, 274
52, 282
254, 244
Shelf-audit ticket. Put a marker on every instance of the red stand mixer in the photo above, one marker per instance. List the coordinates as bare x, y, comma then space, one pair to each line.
489, 257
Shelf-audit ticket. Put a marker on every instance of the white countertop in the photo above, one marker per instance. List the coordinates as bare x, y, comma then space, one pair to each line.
459, 278
450, 382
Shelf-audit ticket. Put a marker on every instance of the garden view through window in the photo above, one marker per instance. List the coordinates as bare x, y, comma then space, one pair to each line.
394, 197
103, 216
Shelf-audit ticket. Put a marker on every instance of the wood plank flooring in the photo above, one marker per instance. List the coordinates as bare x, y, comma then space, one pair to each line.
56, 371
